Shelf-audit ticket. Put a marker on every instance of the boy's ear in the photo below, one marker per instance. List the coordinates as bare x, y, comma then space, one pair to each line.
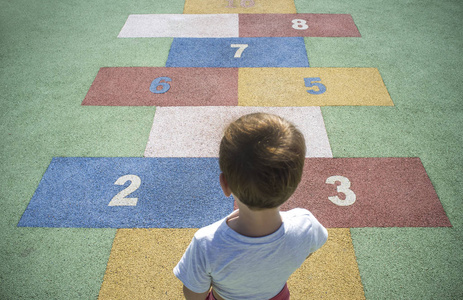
224, 184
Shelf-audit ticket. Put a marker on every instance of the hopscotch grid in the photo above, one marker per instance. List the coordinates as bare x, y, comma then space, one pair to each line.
126, 28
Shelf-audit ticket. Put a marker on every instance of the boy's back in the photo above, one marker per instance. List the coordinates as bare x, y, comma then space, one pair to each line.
242, 267
251, 253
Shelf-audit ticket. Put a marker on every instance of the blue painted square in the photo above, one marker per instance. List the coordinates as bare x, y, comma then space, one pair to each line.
218, 52
174, 193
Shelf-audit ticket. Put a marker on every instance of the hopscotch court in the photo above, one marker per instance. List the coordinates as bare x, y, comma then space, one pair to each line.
227, 60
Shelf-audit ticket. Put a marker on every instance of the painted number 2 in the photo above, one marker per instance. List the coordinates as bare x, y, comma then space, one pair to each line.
344, 188
160, 85
311, 82
244, 3
120, 199
240, 50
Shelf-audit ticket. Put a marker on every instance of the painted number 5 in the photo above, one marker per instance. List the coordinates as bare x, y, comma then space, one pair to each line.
120, 199
311, 82
344, 188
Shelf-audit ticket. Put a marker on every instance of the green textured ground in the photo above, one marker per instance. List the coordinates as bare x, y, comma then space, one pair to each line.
50, 52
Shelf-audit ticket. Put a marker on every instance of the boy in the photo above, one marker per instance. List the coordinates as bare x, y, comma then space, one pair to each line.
251, 253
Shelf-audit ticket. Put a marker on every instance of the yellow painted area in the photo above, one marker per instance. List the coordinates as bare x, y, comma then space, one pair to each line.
331, 272
239, 7
141, 263
287, 87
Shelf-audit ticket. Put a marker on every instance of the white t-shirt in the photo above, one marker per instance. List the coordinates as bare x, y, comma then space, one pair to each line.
241, 267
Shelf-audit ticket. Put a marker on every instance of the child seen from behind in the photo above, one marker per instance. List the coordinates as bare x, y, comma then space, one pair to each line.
251, 253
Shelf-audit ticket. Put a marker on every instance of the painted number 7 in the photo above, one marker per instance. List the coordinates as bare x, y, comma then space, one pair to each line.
240, 50
312, 82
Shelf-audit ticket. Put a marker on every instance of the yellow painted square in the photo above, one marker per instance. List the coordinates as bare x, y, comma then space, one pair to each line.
141, 264
331, 272
287, 87
142, 260
239, 7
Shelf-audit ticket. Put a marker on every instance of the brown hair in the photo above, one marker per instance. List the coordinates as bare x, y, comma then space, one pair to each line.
262, 157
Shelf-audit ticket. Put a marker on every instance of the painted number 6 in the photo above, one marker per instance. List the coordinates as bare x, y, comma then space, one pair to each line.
344, 188
119, 199
160, 82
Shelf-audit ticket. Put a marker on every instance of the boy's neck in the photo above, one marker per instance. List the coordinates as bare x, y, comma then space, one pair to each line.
255, 223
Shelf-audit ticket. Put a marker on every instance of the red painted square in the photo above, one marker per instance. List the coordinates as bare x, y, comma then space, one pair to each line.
292, 25
130, 86
389, 192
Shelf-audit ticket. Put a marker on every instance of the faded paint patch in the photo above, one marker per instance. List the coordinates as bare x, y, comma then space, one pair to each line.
239, 7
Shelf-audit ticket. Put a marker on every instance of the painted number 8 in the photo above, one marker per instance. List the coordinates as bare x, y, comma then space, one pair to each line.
161, 82
343, 188
300, 24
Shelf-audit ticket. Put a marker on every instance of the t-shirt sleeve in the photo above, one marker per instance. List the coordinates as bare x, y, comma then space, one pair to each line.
192, 269
318, 233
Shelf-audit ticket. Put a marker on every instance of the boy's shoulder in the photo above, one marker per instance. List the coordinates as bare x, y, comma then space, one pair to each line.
301, 221
209, 231
297, 214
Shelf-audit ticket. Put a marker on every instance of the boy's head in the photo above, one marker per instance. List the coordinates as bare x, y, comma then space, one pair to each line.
262, 157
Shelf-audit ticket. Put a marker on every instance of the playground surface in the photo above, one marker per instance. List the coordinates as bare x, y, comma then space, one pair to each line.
112, 112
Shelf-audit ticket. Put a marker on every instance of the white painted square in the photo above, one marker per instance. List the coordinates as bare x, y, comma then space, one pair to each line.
181, 25
197, 131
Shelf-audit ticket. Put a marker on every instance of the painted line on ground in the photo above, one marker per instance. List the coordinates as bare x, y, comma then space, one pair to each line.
176, 25
234, 25
306, 25
128, 192
164, 86
197, 131
182, 193
160, 86
238, 52
141, 262
240, 6
311, 87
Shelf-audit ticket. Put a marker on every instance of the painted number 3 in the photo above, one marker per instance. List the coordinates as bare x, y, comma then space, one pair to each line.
343, 188
120, 199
